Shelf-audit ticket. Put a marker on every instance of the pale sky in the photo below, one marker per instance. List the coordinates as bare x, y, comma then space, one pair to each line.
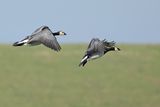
124, 21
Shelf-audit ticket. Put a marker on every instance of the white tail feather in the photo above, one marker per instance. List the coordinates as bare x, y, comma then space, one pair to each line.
24, 41
84, 58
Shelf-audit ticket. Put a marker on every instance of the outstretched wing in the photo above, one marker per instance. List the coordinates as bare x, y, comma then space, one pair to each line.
109, 44
94, 46
92, 42
40, 29
51, 42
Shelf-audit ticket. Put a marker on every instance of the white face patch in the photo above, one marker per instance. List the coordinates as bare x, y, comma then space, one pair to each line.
61, 33
115, 48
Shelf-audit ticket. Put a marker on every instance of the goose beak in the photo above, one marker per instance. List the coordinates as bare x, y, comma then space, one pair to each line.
65, 33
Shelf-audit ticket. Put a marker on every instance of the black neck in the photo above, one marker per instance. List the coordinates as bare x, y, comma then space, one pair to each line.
55, 33
109, 49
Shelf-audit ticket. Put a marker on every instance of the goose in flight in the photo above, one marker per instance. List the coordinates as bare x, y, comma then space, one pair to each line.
96, 49
42, 35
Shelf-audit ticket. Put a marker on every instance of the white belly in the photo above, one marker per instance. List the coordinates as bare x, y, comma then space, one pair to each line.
94, 57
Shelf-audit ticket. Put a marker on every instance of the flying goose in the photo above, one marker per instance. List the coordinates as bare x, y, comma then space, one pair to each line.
96, 49
42, 35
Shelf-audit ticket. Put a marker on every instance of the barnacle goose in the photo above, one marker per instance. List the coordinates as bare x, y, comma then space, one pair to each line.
42, 35
96, 49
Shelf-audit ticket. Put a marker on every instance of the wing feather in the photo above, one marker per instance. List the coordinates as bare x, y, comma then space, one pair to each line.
95, 45
40, 29
51, 42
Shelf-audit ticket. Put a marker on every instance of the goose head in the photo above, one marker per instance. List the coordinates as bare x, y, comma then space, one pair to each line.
59, 33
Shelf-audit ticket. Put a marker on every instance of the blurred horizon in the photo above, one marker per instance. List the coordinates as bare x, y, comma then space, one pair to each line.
122, 21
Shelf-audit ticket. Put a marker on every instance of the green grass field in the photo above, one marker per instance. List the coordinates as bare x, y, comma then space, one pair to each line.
40, 77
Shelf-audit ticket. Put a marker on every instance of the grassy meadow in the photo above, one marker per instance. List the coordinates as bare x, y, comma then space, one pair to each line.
40, 77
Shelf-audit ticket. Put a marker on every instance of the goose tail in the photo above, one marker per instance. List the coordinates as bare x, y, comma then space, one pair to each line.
22, 42
83, 61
